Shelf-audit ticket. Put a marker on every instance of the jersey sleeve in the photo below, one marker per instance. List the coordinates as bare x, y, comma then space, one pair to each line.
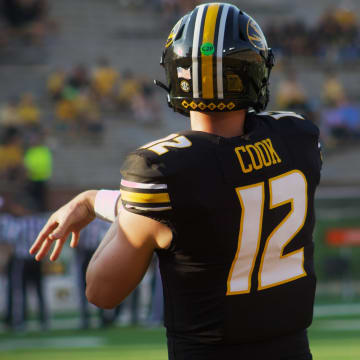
144, 187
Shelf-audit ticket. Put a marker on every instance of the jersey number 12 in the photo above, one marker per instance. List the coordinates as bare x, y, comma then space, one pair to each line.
275, 267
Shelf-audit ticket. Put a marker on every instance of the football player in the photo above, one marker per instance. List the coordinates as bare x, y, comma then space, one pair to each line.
228, 206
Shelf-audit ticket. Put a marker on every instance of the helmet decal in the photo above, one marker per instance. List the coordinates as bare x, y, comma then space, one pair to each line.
185, 86
255, 35
184, 73
207, 49
173, 34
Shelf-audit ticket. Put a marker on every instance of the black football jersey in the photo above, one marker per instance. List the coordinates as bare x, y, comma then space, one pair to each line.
241, 210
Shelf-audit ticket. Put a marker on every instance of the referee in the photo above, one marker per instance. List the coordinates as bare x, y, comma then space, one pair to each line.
25, 270
8, 231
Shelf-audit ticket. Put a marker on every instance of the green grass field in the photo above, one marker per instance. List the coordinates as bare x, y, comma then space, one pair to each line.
332, 338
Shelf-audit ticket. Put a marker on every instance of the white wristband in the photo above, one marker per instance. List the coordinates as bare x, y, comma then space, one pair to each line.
106, 203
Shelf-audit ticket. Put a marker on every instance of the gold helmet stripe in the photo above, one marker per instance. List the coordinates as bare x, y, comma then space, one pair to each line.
207, 68
219, 53
195, 50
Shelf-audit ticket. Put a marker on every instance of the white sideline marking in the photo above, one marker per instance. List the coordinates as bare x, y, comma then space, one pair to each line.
52, 343
336, 309
336, 325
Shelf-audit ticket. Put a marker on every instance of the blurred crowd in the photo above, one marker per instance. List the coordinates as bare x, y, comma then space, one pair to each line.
336, 112
82, 96
335, 37
170, 10
26, 165
77, 107
25, 20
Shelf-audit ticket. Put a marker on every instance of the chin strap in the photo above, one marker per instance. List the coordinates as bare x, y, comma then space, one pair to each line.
162, 85
167, 89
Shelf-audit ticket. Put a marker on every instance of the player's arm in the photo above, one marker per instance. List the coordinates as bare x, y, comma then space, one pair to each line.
123, 257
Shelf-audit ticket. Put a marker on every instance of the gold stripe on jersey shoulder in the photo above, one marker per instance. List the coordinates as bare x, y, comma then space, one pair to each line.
145, 198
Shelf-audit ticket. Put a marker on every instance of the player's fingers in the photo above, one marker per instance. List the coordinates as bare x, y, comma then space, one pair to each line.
45, 247
43, 235
57, 249
62, 230
75, 239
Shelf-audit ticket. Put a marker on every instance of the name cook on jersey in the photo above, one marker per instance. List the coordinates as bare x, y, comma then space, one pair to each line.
256, 156
251, 157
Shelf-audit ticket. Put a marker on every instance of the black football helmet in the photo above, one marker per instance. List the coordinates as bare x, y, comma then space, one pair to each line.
216, 58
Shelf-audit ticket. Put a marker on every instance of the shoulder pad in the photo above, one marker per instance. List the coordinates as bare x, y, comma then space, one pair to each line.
162, 146
277, 115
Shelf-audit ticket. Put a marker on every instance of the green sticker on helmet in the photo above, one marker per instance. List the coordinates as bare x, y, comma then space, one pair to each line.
207, 49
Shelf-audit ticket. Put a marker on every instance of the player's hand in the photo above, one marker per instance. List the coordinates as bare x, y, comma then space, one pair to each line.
69, 219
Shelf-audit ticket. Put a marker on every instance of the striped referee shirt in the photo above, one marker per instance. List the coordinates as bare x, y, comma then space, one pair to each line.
26, 230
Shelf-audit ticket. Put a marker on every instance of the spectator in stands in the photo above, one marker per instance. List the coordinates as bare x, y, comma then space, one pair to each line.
332, 90
341, 124
27, 18
79, 78
335, 36
88, 116
290, 94
129, 87
9, 114
339, 30
28, 111
104, 79
38, 163
56, 83
65, 110
11, 156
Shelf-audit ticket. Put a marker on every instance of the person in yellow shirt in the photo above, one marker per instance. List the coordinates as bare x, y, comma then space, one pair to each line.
11, 156
129, 88
56, 83
290, 94
9, 113
333, 90
104, 79
29, 112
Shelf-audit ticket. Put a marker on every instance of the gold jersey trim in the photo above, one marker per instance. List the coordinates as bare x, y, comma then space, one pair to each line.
143, 198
